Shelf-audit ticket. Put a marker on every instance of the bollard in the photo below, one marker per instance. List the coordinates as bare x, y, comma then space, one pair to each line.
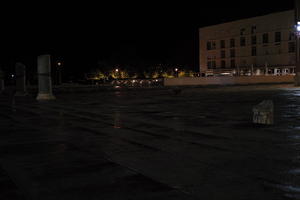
44, 78
1, 81
263, 113
20, 80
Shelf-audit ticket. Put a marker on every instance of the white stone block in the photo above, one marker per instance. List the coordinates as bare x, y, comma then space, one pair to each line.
263, 113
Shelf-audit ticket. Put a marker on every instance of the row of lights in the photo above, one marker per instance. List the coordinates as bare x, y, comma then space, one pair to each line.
176, 70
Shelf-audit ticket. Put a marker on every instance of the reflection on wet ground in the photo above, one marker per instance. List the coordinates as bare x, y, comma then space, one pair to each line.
148, 144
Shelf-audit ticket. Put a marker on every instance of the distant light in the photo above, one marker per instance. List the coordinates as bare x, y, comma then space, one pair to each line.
12, 75
298, 26
59, 64
176, 69
225, 73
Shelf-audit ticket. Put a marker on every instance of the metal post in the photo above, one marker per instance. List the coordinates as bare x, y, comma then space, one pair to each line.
297, 20
20, 79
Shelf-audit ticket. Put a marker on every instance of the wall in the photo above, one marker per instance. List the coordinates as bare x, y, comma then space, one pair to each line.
227, 80
274, 54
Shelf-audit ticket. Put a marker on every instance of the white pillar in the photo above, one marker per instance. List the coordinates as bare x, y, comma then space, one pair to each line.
20, 79
44, 78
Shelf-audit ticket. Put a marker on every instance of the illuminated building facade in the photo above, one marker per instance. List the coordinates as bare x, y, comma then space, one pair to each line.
254, 46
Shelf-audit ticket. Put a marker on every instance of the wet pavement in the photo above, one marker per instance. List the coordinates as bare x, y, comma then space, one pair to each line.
151, 144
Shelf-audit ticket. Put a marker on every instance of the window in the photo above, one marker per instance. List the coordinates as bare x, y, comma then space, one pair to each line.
232, 63
232, 53
253, 40
223, 54
242, 31
213, 45
265, 38
209, 64
292, 36
208, 45
223, 64
253, 29
243, 41
292, 47
232, 43
214, 64
254, 51
222, 44
277, 36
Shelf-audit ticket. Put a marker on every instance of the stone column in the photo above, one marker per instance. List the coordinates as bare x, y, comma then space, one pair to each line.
1, 81
20, 79
44, 78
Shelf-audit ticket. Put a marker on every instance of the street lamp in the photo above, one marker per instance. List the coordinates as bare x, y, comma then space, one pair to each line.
176, 72
59, 70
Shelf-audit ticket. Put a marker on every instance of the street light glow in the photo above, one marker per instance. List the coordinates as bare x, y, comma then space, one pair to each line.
298, 26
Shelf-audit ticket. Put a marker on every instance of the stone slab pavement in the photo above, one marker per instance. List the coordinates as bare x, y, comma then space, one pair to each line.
151, 144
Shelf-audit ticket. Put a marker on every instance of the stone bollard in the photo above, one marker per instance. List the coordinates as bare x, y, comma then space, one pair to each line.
1, 81
44, 78
263, 113
20, 80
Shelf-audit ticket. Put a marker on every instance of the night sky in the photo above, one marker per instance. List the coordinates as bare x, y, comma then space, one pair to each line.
83, 33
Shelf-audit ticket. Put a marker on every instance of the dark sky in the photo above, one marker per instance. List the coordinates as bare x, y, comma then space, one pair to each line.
147, 32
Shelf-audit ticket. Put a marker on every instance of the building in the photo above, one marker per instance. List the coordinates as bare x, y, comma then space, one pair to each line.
254, 46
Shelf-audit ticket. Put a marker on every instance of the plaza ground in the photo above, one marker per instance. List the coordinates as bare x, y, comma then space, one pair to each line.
198, 143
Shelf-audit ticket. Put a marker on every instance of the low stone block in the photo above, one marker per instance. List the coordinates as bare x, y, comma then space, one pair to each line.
263, 113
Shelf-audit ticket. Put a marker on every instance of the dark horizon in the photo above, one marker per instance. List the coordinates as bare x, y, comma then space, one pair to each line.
82, 35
